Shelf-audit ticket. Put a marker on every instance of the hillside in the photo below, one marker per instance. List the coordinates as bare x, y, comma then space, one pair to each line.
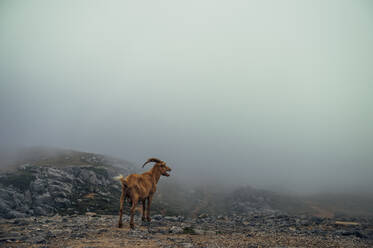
76, 202
47, 181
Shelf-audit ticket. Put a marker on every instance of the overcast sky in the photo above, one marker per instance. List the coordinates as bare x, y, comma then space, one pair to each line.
268, 93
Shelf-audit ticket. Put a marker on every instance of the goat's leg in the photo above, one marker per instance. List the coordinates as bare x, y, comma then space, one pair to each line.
148, 208
143, 210
133, 207
122, 198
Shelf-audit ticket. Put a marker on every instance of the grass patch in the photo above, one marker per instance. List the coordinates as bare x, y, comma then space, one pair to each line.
189, 230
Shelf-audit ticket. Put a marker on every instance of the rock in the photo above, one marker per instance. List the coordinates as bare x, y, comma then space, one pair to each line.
158, 230
347, 223
187, 245
350, 233
199, 231
360, 235
186, 225
176, 230
316, 220
102, 230
137, 233
91, 214
38, 240
204, 232
20, 222
38, 186
210, 232
304, 222
157, 217
46, 190
202, 216
62, 202
13, 214
171, 218
9, 239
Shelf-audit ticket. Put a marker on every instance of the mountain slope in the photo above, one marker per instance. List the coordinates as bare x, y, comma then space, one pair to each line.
63, 182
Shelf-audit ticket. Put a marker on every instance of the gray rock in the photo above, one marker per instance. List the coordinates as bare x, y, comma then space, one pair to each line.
38, 186
62, 202
157, 217
92, 214
176, 230
59, 189
14, 214
199, 231
38, 239
187, 245
171, 218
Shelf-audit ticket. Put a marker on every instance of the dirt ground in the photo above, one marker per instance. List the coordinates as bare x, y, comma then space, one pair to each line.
101, 232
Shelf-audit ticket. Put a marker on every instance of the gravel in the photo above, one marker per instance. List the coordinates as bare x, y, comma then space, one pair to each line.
271, 230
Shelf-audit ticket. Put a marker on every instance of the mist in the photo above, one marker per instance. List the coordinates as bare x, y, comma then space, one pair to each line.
275, 94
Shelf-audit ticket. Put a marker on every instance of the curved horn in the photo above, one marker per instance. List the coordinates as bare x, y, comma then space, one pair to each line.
150, 160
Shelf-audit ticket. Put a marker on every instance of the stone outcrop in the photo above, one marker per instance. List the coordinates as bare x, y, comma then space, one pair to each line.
33, 190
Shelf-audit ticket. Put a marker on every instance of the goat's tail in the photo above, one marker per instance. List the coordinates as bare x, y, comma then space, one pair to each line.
121, 179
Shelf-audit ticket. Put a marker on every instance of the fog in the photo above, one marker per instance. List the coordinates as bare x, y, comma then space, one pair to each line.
275, 94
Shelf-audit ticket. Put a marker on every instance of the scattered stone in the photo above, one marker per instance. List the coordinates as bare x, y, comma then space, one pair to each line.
53, 232
346, 223
176, 230
201, 216
199, 231
38, 240
171, 218
91, 214
187, 245
157, 217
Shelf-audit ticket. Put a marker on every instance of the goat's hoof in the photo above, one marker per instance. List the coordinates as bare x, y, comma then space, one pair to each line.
149, 219
120, 225
132, 226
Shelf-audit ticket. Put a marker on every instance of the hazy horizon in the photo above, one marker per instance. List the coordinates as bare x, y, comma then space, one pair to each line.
275, 94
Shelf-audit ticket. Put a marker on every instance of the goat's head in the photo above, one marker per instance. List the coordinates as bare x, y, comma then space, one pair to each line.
159, 165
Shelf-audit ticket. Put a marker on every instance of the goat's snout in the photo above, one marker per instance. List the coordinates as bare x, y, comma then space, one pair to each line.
165, 170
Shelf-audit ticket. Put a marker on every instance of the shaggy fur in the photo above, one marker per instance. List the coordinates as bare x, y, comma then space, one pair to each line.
141, 187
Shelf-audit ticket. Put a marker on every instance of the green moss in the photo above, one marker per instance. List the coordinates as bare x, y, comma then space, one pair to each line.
189, 230
20, 180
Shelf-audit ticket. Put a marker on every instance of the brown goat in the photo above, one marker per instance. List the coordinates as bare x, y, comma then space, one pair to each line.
142, 187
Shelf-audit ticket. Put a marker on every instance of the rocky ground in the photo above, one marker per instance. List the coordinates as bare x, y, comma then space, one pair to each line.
66, 199
266, 230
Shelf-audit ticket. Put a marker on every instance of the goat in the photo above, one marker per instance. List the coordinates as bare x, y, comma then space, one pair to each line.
141, 187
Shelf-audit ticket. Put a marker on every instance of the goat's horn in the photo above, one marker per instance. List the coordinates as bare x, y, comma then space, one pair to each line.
150, 160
